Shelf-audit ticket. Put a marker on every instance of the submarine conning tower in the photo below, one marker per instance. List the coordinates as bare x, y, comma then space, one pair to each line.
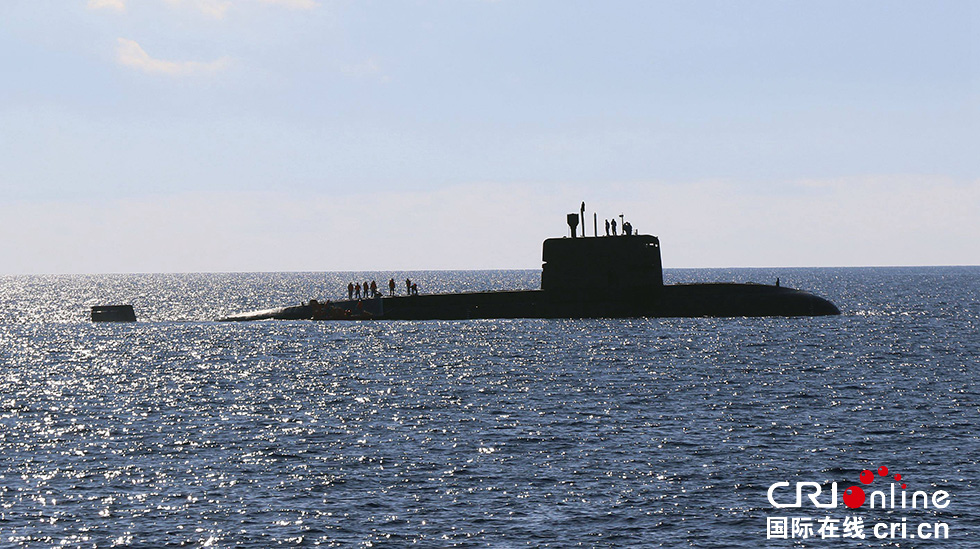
602, 265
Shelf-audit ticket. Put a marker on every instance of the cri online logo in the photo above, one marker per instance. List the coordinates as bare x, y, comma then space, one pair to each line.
855, 496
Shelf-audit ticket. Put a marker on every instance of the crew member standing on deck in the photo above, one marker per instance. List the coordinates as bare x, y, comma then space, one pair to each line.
365, 292
391, 287
357, 290
374, 289
350, 290
408, 287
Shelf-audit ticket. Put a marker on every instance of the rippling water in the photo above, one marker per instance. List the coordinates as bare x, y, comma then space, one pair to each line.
642, 432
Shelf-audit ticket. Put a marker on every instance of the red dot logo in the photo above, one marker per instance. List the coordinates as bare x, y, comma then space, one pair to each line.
854, 496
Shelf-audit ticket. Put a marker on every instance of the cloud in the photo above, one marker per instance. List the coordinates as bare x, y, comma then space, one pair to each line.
854, 221
130, 54
218, 8
850, 221
292, 4
117, 5
213, 8
369, 68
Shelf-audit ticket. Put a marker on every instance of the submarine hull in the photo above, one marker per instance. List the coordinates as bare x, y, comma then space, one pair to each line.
680, 300
598, 277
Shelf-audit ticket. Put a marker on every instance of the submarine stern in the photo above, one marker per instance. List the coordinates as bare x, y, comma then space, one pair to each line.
734, 300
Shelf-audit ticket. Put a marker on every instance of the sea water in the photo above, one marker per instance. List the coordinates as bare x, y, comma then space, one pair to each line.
178, 430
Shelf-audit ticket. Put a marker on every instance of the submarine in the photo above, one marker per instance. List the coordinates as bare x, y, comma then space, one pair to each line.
613, 276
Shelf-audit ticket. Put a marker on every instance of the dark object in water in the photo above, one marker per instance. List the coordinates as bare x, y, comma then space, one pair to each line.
588, 277
113, 313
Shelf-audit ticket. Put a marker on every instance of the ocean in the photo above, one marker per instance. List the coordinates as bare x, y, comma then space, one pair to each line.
697, 432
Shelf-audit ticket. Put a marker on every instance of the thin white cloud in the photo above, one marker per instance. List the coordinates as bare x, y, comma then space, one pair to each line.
293, 4
117, 5
854, 221
219, 8
130, 54
213, 8
369, 68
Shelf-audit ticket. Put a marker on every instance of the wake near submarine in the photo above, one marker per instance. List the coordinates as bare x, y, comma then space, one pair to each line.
582, 277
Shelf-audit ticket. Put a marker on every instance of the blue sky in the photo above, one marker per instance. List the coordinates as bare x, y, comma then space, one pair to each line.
243, 135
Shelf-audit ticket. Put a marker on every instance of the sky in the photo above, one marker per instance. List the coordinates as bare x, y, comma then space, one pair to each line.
320, 135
